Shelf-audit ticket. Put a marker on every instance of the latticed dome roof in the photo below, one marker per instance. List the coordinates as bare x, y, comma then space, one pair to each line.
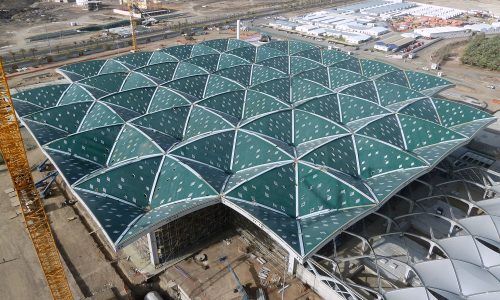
300, 140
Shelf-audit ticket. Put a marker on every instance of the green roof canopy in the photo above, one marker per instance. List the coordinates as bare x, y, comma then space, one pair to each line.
301, 140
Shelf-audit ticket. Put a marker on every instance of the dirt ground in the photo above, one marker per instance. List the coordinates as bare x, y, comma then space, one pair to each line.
57, 17
46, 73
19, 267
470, 82
40, 18
216, 282
90, 273
210, 7
489, 5
18, 262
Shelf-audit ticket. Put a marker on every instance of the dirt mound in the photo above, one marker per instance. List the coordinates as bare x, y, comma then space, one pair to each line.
15, 4
27, 11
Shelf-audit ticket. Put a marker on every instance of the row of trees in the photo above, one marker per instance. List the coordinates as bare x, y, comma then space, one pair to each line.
483, 52
22, 53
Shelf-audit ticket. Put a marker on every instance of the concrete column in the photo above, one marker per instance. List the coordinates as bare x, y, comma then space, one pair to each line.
292, 264
451, 230
237, 29
412, 207
153, 249
430, 251
469, 210
408, 274
363, 246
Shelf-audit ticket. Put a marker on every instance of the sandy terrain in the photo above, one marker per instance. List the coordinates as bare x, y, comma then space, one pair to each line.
16, 31
24, 25
92, 270
469, 81
19, 267
489, 5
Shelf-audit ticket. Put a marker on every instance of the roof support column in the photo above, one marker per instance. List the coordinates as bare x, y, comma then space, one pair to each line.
408, 274
292, 264
429, 253
153, 249
388, 228
469, 210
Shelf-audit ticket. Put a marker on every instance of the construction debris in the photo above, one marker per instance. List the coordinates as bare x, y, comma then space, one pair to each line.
283, 288
261, 260
201, 257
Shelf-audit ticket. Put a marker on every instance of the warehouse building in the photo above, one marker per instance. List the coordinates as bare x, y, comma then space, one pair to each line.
494, 28
363, 29
394, 43
355, 38
305, 28
427, 10
285, 25
389, 10
322, 155
363, 6
444, 32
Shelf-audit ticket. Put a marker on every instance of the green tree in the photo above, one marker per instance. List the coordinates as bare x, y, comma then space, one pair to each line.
33, 51
483, 52
12, 54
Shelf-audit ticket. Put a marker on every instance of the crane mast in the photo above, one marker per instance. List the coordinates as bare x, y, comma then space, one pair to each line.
37, 223
130, 4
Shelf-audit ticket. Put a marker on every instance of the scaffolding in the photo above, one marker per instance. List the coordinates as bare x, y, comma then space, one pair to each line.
174, 238
180, 237
259, 241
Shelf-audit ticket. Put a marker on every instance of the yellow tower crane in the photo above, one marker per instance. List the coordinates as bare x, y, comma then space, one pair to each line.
14, 155
130, 4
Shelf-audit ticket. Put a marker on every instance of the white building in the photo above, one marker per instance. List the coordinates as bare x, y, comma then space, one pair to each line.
362, 6
317, 32
484, 28
433, 11
285, 25
386, 11
351, 38
444, 32
305, 28
363, 29
332, 33
142, 4
89, 4
375, 31
356, 39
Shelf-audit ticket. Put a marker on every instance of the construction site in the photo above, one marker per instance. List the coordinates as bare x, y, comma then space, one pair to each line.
230, 167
